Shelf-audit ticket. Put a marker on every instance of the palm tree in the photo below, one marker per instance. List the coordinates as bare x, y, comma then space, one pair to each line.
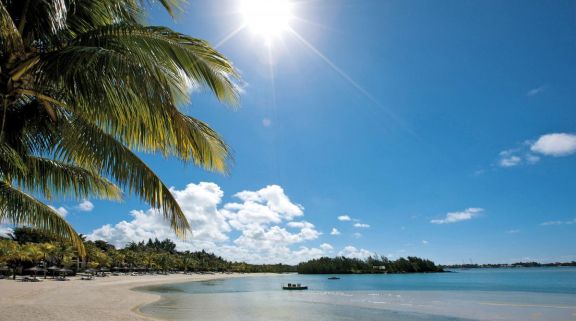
84, 84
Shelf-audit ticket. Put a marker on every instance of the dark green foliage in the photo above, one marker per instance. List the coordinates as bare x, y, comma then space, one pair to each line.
24, 235
344, 265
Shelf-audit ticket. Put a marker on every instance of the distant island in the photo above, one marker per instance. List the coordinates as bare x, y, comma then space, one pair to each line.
371, 265
506, 265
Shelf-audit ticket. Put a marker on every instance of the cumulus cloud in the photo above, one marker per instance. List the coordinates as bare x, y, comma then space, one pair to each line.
549, 223
352, 252
557, 144
361, 225
530, 152
60, 210
262, 223
344, 218
456, 217
85, 206
334, 231
425, 242
326, 247
357, 235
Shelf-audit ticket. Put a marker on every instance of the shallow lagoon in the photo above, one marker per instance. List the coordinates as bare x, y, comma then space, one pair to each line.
478, 294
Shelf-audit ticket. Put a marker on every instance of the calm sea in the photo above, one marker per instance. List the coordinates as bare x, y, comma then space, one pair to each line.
547, 294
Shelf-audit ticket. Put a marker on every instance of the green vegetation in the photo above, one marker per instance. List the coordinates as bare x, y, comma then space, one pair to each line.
344, 265
28, 247
84, 84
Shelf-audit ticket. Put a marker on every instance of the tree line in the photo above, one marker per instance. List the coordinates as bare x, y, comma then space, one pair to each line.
26, 247
345, 265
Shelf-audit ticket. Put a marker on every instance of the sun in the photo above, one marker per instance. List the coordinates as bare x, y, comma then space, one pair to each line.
268, 18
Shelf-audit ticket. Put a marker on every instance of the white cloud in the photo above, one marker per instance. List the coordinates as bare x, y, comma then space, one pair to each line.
262, 223
85, 206
60, 210
357, 235
361, 225
352, 252
514, 231
557, 144
509, 160
549, 223
535, 91
344, 218
266, 122
455, 217
326, 247
517, 156
425, 242
300, 224
334, 231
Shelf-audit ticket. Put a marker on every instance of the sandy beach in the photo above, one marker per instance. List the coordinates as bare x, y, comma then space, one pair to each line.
109, 298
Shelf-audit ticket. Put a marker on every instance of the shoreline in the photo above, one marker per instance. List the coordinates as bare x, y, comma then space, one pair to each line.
106, 298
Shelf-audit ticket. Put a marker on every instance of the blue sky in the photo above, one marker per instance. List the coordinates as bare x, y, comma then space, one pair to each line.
399, 114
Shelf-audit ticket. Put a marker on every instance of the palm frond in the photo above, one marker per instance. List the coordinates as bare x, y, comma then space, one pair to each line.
176, 52
11, 162
87, 145
172, 6
133, 96
19, 208
10, 38
52, 177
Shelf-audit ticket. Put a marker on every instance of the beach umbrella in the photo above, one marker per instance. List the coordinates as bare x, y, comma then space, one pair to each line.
35, 270
52, 269
5, 268
91, 271
64, 271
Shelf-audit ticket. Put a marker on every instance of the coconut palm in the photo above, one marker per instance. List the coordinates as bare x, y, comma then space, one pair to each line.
83, 85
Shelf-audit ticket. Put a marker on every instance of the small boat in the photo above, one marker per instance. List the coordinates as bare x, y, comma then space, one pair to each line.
294, 286
333, 278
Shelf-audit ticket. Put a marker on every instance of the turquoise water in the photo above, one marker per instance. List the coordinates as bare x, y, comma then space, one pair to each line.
477, 294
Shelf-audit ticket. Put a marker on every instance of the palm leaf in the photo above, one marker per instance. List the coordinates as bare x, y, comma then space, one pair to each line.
51, 177
87, 145
131, 98
18, 207
10, 38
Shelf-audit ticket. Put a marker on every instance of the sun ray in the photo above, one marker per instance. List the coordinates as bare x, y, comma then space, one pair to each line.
352, 82
230, 36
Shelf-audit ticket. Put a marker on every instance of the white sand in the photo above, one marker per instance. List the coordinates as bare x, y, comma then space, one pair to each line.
108, 298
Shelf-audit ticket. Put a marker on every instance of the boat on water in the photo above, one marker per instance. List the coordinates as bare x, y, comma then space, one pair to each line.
333, 278
294, 286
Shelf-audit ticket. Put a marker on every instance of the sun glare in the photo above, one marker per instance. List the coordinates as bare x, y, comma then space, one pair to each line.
268, 18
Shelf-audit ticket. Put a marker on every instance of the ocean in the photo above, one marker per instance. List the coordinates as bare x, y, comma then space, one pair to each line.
547, 294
